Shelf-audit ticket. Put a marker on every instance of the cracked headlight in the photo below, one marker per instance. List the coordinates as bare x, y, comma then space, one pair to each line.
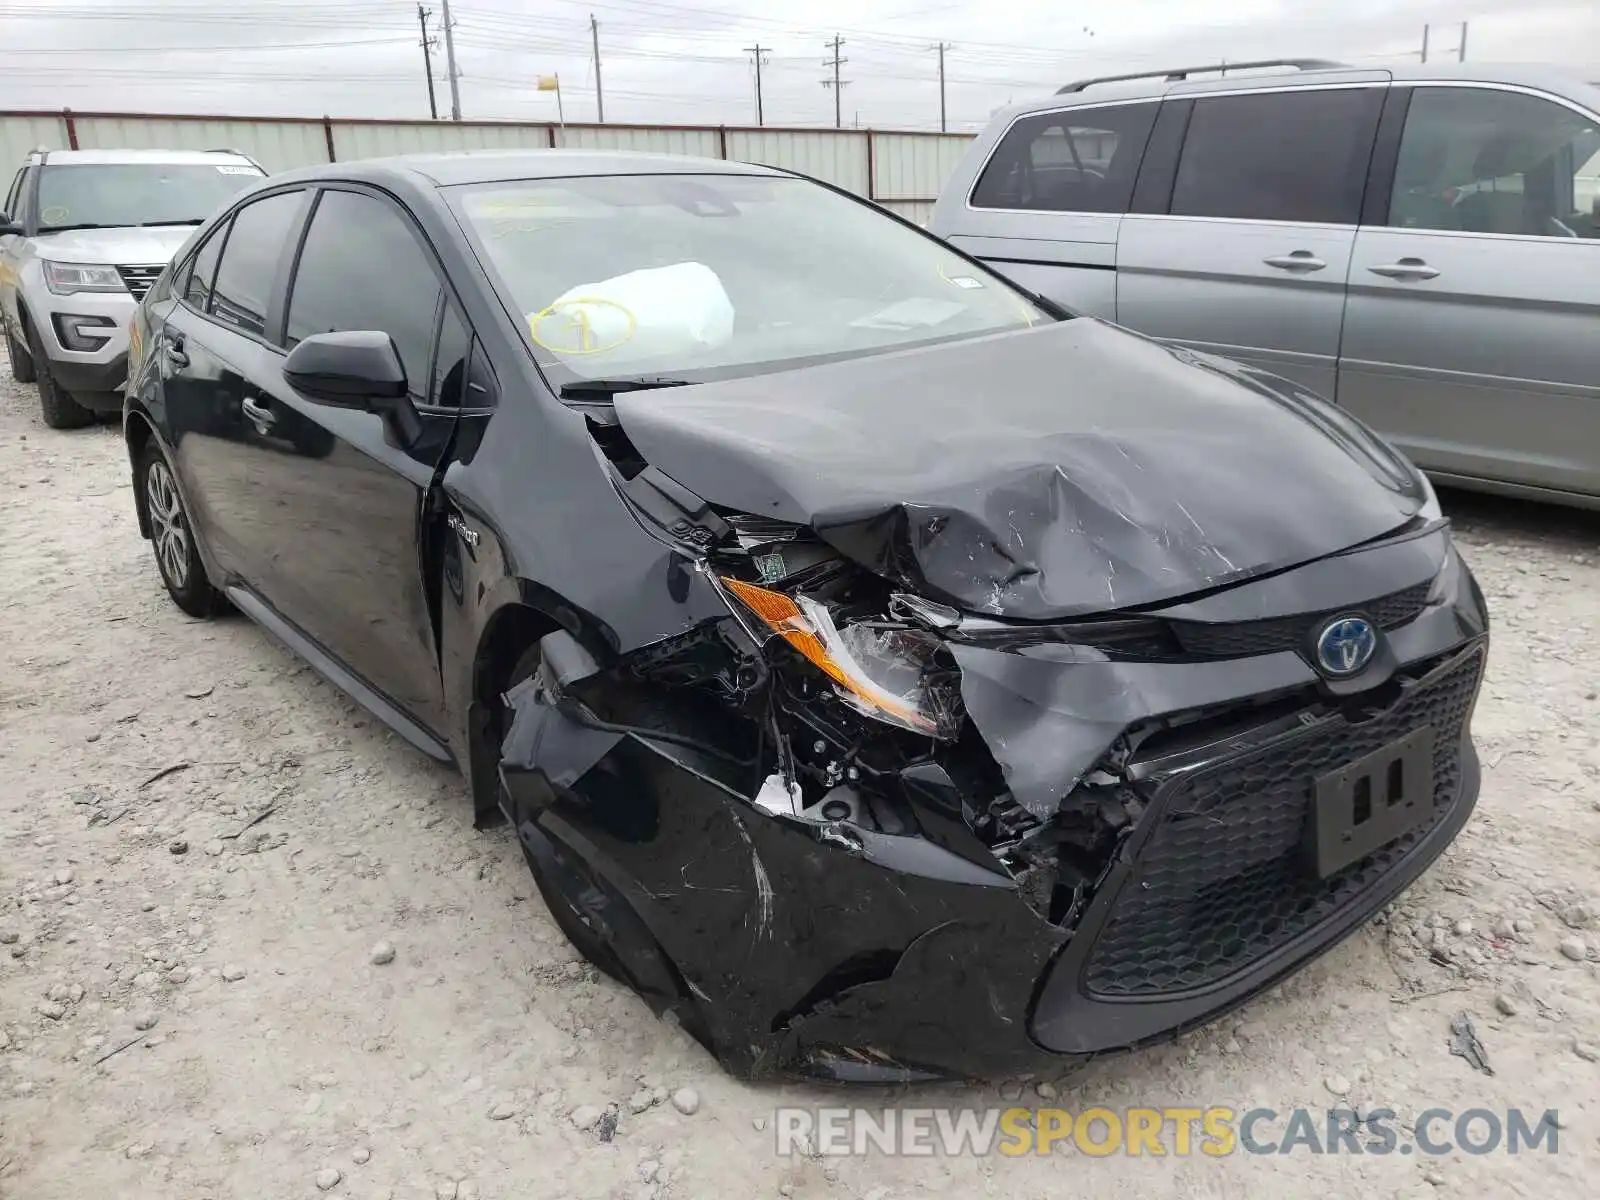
883, 670
66, 278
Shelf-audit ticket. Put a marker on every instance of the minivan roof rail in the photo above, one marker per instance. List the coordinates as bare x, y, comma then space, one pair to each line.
1300, 64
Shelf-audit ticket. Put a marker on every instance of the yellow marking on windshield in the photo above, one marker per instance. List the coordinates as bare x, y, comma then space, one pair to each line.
581, 324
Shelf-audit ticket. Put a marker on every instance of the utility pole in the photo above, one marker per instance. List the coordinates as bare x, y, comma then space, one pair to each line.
941, 48
1425, 30
838, 85
599, 95
427, 59
1461, 56
755, 51
450, 62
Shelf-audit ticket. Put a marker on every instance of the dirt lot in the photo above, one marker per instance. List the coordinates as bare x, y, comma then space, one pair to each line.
190, 1006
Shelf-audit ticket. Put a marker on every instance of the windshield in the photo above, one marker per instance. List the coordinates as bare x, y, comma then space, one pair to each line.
123, 194
707, 276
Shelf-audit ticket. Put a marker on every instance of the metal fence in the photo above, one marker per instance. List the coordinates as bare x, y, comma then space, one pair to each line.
900, 170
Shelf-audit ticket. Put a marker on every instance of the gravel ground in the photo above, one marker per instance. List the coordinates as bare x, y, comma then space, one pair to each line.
250, 945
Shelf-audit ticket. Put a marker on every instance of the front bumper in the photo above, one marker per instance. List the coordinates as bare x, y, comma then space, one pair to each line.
103, 369
821, 947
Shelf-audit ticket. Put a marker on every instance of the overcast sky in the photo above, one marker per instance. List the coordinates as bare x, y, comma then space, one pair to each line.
686, 62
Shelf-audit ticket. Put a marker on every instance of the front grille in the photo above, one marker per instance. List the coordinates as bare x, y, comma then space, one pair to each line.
1222, 879
1240, 638
138, 279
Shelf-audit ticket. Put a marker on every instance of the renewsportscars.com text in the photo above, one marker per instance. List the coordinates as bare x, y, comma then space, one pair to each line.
1157, 1132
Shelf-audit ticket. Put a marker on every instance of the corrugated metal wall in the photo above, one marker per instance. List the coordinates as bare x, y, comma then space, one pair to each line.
18, 135
276, 145
362, 139
839, 157
903, 170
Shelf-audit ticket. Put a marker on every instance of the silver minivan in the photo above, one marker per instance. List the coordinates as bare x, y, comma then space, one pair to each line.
1420, 244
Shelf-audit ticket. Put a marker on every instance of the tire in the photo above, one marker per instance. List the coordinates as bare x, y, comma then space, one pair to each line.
172, 538
56, 405
572, 898
22, 369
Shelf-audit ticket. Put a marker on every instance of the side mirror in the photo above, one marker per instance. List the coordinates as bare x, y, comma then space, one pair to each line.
7, 225
357, 369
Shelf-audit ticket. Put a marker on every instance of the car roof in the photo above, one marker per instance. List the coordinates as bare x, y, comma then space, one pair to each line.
491, 166
1562, 81
164, 157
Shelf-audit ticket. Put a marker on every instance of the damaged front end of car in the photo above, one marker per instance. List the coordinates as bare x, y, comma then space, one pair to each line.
853, 831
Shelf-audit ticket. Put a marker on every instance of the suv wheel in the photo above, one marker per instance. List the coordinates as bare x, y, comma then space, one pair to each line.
56, 405
172, 537
21, 361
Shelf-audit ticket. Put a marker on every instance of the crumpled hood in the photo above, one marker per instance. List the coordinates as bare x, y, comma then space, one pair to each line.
1035, 475
148, 247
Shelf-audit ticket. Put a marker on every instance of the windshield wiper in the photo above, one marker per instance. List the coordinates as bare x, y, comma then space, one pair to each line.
44, 229
586, 388
183, 221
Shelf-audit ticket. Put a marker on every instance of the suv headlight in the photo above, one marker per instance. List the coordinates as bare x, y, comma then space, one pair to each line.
66, 278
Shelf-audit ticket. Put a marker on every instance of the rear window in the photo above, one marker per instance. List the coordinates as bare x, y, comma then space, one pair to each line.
118, 195
1082, 160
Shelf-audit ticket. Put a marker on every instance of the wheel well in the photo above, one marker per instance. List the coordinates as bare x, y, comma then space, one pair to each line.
511, 632
138, 433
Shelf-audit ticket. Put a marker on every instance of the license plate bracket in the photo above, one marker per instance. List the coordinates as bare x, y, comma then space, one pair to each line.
1366, 804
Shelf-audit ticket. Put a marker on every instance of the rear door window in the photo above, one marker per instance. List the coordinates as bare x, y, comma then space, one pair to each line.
1278, 156
254, 252
1081, 160
195, 282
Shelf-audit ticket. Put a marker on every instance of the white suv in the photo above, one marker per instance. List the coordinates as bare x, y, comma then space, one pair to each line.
83, 235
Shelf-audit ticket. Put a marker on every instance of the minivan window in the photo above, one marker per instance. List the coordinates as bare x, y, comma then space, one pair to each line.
1083, 160
203, 268
250, 261
1278, 156
115, 195
1477, 160
712, 276
356, 241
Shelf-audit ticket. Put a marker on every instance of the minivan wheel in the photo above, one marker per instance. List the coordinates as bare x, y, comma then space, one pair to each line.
22, 369
56, 405
172, 537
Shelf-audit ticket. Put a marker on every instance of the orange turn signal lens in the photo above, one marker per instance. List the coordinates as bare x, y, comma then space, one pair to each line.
786, 619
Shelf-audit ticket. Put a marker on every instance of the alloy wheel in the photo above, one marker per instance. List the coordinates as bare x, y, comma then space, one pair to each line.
168, 527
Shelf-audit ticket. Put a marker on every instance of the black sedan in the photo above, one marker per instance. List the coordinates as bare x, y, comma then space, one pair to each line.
887, 672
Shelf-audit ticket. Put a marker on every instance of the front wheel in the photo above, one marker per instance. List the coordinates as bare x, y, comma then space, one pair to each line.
172, 537
56, 405
22, 368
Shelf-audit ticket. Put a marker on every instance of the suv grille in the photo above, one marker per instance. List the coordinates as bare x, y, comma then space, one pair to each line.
1289, 633
139, 279
1221, 880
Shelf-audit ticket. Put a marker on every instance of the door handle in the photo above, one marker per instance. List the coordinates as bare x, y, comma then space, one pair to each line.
172, 347
1298, 260
262, 417
1406, 268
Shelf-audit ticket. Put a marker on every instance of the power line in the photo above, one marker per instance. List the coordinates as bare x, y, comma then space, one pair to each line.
755, 52
427, 59
838, 85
